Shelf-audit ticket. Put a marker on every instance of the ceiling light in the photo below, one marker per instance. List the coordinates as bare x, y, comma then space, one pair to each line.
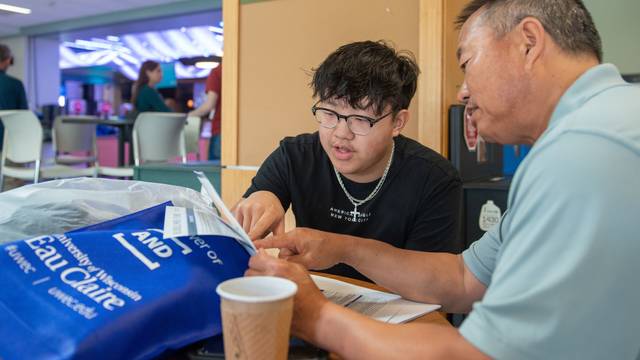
206, 64
15, 9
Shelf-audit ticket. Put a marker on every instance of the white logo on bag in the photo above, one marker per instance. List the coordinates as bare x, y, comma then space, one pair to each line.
155, 244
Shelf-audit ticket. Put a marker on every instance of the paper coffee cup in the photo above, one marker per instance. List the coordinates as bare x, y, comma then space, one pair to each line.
256, 317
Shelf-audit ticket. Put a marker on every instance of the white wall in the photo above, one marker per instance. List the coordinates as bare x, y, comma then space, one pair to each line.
19, 49
617, 22
43, 85
36, 65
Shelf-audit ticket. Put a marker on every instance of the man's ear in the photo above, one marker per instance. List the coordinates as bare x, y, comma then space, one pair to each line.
399, 121
533, 36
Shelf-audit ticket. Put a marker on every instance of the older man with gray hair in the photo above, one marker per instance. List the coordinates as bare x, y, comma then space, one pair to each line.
557, 277
12, 95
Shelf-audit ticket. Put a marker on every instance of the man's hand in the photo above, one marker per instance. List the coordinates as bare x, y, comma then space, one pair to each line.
260, 214
308, 302
316, 250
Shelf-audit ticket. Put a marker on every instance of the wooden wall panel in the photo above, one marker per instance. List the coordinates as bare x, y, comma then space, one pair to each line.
271, 46
229, 104
282, 40
431, 60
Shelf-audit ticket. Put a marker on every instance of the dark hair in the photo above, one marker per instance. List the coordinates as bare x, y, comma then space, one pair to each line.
143, 78
367, 74
5, 52
568, 22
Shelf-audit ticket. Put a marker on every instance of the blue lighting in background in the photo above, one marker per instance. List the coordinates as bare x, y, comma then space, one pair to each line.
169, 78
125, 53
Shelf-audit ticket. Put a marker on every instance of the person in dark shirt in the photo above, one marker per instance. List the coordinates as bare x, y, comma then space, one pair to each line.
359, 176
145, 96
12, 94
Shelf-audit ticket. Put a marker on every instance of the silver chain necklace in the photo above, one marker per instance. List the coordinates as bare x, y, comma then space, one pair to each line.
358, 202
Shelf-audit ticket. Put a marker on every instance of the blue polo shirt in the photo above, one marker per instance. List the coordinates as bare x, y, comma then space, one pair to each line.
12, 97
562, 267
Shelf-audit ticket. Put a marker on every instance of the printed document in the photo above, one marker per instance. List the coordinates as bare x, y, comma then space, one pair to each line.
379, 305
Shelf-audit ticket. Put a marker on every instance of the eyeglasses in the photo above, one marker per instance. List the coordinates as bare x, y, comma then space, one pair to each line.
358, 124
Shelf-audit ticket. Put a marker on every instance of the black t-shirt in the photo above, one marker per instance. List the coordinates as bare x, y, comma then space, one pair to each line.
417, 208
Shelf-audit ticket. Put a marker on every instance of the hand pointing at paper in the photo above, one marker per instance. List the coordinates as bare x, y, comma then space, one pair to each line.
317, 250
260, 214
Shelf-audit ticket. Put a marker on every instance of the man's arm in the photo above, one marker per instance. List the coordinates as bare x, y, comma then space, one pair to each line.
354, 336
208, 105
437, 278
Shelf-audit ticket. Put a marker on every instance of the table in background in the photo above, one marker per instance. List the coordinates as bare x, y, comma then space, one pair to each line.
124, 127
179, 174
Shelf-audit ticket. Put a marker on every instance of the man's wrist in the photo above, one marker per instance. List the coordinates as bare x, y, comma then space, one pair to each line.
348, 250
324, 333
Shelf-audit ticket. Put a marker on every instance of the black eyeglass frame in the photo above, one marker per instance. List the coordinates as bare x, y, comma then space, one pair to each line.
372, 121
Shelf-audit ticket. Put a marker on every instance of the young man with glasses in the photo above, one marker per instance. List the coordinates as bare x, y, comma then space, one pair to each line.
358, 175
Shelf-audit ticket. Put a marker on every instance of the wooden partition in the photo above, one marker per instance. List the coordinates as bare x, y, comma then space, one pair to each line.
272, 46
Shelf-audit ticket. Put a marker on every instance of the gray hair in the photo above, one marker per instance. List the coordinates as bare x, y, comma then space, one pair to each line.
5, 52
568, 22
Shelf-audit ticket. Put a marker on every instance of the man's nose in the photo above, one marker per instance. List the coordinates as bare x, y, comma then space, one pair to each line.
342, 129
463, 93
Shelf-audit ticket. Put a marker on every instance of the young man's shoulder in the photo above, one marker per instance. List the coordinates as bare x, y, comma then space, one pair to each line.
425, 157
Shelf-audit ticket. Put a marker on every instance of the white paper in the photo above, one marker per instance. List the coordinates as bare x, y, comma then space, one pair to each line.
379, 305
179, 221
188, 222
208, 188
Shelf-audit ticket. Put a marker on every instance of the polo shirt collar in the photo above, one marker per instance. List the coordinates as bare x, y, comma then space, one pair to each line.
589, 84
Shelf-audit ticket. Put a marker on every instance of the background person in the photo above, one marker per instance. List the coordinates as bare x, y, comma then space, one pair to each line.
145, 97
12, 94
213, 91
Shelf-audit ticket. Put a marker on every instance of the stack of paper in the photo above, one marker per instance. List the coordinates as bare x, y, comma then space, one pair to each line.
379, 305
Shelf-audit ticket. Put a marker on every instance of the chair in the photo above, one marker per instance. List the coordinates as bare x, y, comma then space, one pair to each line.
117, 171
159, 137
192, 135
75, 137
23, 146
